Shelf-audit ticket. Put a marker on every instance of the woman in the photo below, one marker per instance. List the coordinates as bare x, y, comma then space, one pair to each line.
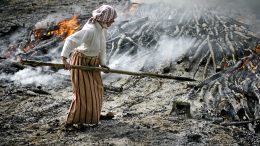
89, 45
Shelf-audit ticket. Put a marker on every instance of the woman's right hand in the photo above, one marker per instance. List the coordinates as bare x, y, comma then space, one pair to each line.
66, 63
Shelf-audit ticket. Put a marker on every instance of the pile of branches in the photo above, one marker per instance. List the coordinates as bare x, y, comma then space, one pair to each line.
224, 55
232, 94
219, 41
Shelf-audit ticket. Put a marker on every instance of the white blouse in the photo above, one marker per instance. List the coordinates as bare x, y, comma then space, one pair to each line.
90, 40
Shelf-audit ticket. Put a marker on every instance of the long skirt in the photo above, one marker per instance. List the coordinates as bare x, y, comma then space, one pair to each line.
87, 91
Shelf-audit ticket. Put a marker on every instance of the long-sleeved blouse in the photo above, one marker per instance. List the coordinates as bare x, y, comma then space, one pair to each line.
90, 40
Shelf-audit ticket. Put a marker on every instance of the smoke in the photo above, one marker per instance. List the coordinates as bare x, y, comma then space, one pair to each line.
57, 17
38, 77
51, 19
248, 10
168, 51
176, 11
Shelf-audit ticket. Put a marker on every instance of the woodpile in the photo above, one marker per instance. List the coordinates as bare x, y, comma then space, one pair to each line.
219, 41
225, 55
232, 94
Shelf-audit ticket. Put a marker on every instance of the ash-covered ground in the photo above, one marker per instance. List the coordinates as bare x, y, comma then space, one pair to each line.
142, 117
34, 101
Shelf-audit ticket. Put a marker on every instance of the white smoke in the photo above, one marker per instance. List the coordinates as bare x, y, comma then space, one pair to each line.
231, 8
176, 11
37, 77
168, 51
29, 76
57, 17
50, 20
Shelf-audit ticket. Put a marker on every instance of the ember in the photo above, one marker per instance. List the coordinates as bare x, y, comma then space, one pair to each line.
28, 47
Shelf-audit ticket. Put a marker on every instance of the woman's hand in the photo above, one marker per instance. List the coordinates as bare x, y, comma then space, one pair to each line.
106, 67
66, 63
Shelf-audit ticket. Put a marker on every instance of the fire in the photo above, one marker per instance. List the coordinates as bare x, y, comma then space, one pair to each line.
66, 27
62, 29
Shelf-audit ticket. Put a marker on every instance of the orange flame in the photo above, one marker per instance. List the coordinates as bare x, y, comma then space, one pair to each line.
62, 29
66, 27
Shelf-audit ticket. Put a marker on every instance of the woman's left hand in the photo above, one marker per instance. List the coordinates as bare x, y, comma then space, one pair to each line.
106, 67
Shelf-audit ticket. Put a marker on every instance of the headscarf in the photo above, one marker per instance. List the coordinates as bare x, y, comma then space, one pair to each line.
105, 13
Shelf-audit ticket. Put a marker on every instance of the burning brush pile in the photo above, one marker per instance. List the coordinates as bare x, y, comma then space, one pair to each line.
42, 42
219, 51
42, 38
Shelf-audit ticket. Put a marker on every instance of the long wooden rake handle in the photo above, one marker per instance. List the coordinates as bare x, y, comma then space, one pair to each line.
91, 68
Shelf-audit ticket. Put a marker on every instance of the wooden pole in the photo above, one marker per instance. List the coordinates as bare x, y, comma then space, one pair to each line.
91, 68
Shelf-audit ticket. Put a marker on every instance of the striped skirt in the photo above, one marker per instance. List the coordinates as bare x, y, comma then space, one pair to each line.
87, 91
